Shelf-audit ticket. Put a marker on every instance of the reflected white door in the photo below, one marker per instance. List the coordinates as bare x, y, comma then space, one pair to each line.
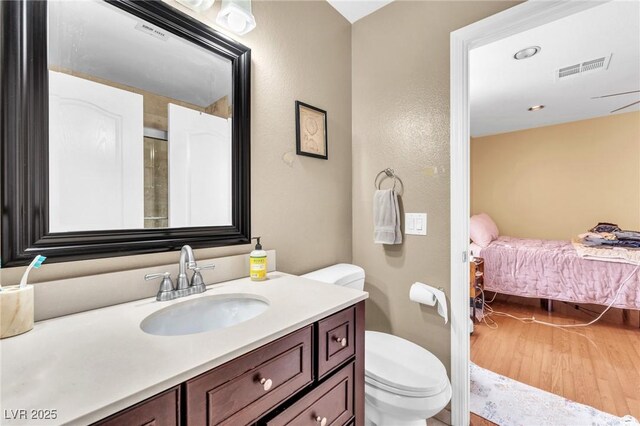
199, 168
95, 156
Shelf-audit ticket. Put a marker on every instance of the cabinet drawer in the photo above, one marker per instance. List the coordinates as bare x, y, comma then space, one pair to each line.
336, 340
160, 410
330, 403
233, 394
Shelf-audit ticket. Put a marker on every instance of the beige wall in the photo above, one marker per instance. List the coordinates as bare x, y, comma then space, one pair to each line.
300, 205
401, 120
558, 181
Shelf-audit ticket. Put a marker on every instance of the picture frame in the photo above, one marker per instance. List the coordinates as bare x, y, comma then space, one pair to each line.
311, 131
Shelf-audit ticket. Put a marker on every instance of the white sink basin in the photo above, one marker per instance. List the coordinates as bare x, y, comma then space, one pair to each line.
204, 314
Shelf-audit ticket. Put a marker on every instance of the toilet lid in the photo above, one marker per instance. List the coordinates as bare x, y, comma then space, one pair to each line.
340, 274
402, 367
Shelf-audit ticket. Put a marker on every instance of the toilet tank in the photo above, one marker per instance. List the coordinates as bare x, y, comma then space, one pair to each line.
343, 274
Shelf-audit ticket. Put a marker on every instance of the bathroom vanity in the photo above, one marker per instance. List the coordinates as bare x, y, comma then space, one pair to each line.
300, 361
306, 377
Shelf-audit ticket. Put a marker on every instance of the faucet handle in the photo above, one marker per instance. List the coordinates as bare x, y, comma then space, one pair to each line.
149, 277
200, 268
197, 282
165, 292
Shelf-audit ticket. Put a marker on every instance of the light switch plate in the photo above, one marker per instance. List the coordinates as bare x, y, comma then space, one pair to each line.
415, 223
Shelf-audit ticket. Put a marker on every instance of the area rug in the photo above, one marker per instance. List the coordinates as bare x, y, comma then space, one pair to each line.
507, 402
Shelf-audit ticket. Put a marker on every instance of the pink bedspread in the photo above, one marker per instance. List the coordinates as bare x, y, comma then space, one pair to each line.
552, 270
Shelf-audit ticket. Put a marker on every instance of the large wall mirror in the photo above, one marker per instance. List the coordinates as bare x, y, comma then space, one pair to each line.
127, 131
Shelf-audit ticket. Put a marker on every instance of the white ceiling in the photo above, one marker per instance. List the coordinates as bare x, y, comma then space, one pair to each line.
357, 9
502, 88
96, 38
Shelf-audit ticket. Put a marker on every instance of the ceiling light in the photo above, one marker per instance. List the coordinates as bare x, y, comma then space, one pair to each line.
197, 5
536, 108
527, 52
236, 16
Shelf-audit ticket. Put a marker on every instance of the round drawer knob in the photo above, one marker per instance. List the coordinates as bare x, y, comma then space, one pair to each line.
341, 340
266, 383
322, 421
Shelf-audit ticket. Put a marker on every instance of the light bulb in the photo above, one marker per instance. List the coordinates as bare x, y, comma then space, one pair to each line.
195, 5
235, 15
237, 21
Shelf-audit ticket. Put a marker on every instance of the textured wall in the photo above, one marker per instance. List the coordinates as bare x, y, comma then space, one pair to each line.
401, 120
300, 205
558, 181
301, 51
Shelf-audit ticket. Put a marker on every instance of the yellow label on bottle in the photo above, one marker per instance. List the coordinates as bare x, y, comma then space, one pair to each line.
258, 268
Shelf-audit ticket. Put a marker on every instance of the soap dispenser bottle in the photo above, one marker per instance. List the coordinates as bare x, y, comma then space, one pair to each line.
258, 262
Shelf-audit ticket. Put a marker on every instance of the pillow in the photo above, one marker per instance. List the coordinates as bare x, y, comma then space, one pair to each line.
482, 229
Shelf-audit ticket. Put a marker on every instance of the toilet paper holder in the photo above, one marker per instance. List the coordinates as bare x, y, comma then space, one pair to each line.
430, 296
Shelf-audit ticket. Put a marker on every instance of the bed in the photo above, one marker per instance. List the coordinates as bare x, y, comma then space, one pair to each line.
548, 269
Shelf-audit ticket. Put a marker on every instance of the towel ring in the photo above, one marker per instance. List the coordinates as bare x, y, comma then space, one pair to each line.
389, 173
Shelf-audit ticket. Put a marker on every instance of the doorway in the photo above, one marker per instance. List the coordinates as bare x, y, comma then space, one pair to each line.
512, 21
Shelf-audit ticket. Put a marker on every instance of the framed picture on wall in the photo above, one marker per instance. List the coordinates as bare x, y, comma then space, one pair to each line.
311, 131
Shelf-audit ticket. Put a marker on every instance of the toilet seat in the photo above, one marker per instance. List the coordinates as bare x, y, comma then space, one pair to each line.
401, 367
423, 393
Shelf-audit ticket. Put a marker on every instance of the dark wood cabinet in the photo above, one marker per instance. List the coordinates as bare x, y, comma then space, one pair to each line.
160, 410
313, 376
243, 390
331, 403
336, 340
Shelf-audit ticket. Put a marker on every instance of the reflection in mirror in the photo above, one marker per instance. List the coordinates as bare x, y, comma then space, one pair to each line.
136, 140
156, 179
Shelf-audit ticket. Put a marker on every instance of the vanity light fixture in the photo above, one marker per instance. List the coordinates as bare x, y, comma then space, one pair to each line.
536, 108
236, 16
197, 5
527, 52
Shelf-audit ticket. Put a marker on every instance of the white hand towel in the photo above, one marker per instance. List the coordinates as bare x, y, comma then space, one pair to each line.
386, 217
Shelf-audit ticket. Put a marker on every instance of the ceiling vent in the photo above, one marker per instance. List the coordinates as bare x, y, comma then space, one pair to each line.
584, 67
567, 71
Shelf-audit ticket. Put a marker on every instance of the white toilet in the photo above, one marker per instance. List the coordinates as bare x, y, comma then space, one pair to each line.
404, 383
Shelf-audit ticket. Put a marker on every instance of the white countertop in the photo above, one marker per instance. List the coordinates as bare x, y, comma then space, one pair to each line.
90, 365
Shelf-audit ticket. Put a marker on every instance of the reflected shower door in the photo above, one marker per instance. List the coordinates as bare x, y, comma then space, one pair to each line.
199, 168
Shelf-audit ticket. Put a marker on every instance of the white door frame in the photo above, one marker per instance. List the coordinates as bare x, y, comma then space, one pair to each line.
511, 21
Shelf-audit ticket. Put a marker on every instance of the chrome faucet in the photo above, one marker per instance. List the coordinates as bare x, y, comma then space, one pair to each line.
188, 260
183, 286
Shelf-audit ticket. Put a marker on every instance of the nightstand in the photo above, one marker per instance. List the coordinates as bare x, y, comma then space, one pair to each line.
476, 284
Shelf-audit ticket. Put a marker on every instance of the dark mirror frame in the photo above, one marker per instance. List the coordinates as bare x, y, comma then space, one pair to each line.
24, 129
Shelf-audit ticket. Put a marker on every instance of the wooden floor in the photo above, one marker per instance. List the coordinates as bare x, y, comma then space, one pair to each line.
480, 421
597, 365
